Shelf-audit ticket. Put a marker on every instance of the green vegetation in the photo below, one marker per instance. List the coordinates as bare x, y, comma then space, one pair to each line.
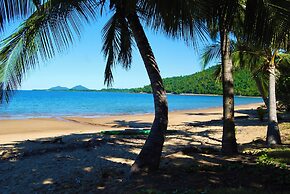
115, 90
283, 86
205, 83
275, 157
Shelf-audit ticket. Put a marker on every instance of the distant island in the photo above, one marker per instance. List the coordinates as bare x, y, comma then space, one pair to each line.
60, 88
79, 88
203, 82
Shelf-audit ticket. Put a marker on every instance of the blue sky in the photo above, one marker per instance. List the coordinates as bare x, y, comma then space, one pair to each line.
84, 63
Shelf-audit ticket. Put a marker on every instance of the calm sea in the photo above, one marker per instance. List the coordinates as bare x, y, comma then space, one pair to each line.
30, 104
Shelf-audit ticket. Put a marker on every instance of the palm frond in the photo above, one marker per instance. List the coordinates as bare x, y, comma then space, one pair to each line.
217, 74
210, 53
245, 57
46, 32
125, 54
180, 19
117, 44
110, 48
15, 9
267, 23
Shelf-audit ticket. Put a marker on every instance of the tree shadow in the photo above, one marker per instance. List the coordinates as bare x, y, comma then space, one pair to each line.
203, 114
204, 171
74, 163
96, 163
131, 124
239, 121
213, 122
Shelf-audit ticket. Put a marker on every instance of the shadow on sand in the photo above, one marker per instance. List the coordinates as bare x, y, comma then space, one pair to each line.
95, 163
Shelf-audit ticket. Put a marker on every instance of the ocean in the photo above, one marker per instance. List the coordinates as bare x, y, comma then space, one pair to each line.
39, 104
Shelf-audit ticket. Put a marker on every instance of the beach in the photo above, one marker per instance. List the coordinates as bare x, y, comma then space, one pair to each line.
31, 129
70, 155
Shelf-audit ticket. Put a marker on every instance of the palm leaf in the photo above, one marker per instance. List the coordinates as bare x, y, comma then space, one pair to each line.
180, 19
210, 53
15, 9
46, 32
117, 44
110, 47
267, 23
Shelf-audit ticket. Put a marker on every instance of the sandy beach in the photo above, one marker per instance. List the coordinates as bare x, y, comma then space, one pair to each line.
69, 155
12, 131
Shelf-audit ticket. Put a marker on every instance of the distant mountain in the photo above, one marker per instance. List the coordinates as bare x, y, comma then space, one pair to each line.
58, 88
79, 88
76, 88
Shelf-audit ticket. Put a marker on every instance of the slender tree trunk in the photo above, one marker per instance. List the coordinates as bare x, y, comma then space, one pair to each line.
262, 91
273, 133
149, 157
229, 144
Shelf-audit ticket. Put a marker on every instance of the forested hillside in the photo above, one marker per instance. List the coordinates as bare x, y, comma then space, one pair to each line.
205, 83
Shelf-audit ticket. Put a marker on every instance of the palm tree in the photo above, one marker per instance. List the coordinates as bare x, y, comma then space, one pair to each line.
219, 16
273, 133
53, 31
242, 59
127, 22
267, 20
269, 24
267, 59
224, 15
258, 61
52, 26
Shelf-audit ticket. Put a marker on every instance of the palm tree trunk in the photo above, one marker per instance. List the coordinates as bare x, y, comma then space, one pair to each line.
149, 157
262, 91
229, 144
273, 133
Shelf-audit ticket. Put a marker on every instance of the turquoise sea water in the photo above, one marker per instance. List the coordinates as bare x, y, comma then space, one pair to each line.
30, 104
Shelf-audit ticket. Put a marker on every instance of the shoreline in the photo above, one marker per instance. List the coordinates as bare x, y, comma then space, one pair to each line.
12, 131
92, 90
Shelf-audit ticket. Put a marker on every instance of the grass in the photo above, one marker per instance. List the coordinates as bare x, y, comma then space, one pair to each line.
277, 157
281, 155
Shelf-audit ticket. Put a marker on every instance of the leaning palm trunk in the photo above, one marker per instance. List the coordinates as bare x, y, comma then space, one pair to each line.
273, 133
149, 157
229, 145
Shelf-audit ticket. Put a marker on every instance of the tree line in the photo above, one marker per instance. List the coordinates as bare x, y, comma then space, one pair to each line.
205, 82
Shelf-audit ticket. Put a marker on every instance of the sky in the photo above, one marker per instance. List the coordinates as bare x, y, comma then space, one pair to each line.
84, 63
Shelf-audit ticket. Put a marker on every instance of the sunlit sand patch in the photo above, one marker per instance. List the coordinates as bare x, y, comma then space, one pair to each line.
179, 155
48, 181
88, 169
135, 151
119, 160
